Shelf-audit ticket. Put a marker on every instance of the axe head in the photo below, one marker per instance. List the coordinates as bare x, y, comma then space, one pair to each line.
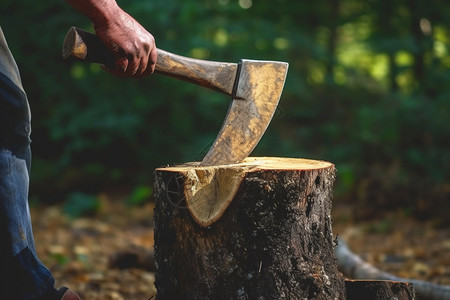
256, 93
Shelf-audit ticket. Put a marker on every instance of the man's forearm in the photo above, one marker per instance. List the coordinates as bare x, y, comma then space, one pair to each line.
98, 11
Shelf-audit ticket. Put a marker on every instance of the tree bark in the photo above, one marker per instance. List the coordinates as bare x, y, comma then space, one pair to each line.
270, 236
379, 290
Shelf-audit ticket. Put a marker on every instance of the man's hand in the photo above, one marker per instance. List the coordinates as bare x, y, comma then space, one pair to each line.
132, 45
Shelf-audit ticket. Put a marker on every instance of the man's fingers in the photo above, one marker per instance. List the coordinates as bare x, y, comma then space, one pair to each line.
122, 64
153, 59
151, 64
133, 65
142, 67
126, 67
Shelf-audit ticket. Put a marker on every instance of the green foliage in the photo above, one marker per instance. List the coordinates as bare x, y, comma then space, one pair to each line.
382, 226
81, 205
368, 89
140, 195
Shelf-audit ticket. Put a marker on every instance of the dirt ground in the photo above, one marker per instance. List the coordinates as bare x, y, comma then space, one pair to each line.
108, 256
103, 257
398, 244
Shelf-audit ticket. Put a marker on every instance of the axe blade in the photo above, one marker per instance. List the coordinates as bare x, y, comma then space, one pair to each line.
257, 91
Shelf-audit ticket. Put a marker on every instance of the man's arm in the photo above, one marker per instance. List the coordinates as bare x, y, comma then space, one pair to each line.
132, 45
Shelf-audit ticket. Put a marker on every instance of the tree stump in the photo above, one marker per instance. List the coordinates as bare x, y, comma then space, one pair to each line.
260, 229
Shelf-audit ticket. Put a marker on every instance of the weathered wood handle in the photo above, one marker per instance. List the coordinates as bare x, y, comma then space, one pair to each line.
214, 75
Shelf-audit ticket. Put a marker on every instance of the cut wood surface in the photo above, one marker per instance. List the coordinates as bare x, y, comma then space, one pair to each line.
256, 230
208, 190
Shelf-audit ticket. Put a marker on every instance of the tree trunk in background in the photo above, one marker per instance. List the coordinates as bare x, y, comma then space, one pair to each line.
332, 40
273, 241
387, 29
419, 41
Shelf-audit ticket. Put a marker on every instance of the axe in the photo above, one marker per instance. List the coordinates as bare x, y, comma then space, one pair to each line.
255, 87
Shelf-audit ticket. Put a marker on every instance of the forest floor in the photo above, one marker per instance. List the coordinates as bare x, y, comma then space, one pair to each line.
109, 256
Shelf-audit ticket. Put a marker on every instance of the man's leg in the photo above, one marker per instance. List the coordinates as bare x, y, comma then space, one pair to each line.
22, 275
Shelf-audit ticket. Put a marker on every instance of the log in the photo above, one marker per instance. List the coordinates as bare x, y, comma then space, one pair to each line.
353, 266
260, 229
379, 290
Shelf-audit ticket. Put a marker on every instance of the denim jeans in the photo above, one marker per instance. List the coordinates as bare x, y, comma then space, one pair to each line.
22, 274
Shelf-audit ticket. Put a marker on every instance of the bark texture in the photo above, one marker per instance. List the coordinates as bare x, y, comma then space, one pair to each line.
379, 290
274, 240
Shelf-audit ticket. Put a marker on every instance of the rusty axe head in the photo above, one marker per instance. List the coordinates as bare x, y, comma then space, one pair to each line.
257, 91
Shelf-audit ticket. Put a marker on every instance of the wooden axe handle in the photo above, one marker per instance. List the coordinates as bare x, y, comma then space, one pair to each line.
214, 75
